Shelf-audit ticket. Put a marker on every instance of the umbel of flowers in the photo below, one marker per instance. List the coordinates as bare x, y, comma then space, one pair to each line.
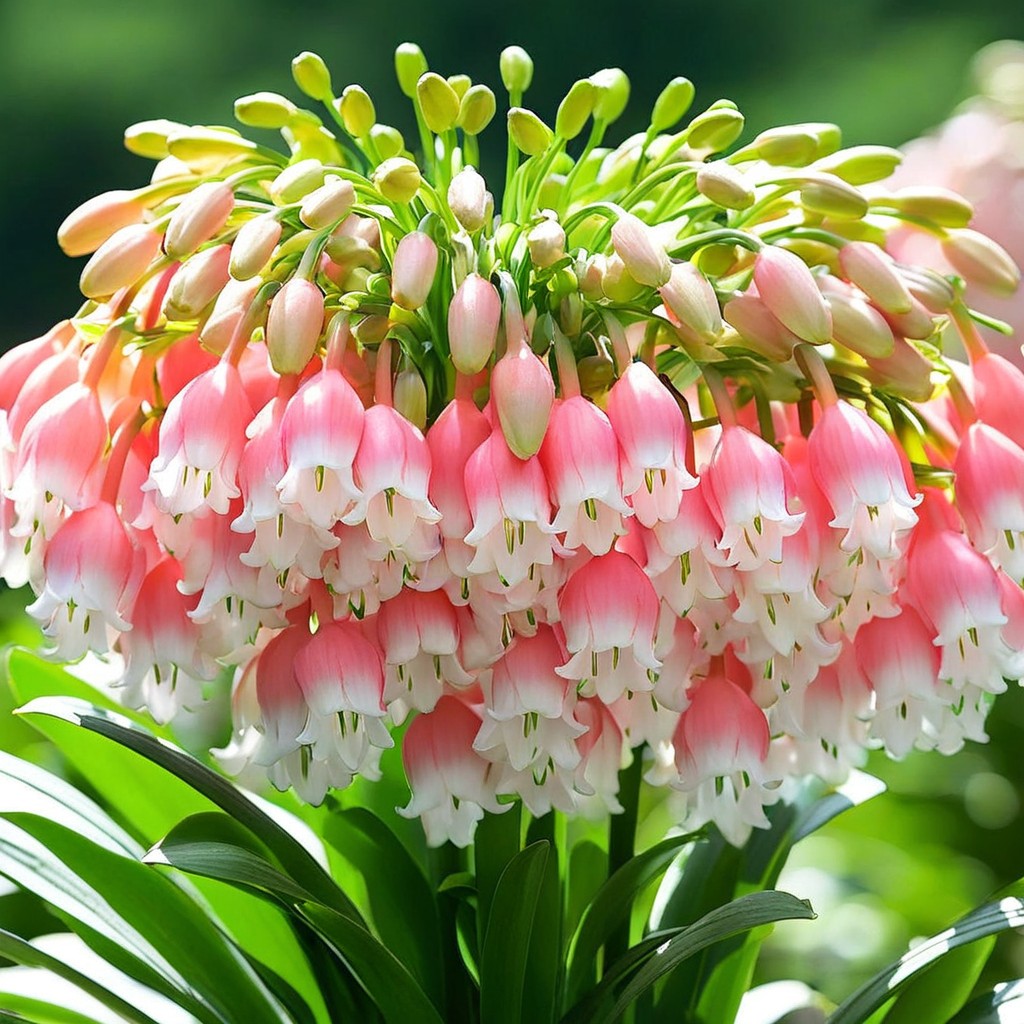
658, 456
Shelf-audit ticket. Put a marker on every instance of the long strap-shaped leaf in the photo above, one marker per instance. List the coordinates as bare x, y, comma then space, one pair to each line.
985, 920
21, 952
384, 977
294, 857
747, 912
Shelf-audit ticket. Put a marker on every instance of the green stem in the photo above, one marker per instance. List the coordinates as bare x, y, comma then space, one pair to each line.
622, 843
511, 162
460, 1001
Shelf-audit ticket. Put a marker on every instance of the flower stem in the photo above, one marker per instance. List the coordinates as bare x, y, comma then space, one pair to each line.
622, 843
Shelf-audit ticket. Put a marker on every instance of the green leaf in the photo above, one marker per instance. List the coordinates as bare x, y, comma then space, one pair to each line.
292, 855
21, 952
404, 909
495, 845
152, 914
507, 940
989, 919
747, 912
381, 974
545, 961
20, 1009
214, 845
989, 1008
612, 905
936, 994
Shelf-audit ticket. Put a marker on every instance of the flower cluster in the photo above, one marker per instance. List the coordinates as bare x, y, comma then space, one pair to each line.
659, 459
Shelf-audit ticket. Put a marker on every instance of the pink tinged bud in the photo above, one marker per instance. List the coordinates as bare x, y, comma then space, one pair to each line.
228, 310
981, 261
320, 434
197, 283
413, 269
523, 394
120, 261
653, 436
749, 487
546, 243
199, 216
451, 784
748, 315
873, 272
788, 289
473, 319
202, 436
638, 248
691, 300
452, 439
254, 245
859, 326
917, 323
294, 324
88, 226
855, 464
468, 199
580, 457
328, 204
339, 670
999, 394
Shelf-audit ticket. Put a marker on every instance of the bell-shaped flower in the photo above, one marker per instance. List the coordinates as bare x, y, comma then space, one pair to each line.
603, 754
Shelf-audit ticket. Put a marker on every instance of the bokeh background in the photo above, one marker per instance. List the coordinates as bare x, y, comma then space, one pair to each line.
74, 73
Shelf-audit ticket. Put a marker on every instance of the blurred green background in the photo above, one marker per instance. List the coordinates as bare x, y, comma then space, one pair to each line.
74, 73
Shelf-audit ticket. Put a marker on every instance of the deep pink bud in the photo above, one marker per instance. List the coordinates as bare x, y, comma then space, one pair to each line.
788, 289
294, 324
413, 269
473, 318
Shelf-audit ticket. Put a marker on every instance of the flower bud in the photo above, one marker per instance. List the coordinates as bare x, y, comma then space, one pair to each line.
467, 199
617, 283
789, 291
476, 109
410, 397
297, 180
473, 319
149, 138
197, 283
253, 246
611, 94
906, 370
528, 131
716, 129
120, 261
357, 111
689, 297
724, 185
748, 315
351, 251
859, 326
231, 305
397, 179
932, 290
264, 110
574, 110
516, 68
461, 84
832, 197
829, 135
785, 146
917, 323
410, 64
673, 101
871, 270
438, 101
388, 140
940, 205
981, 261
310, 140
199, 216
645, 258
523, 394
328, 204
88, 226
206, 150
311, 76
546, 243
413, 269
294, 324
861, 165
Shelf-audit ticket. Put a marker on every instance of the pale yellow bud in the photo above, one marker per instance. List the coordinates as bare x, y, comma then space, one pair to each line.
476, 110
611, 94
438, 101
206, 150
785, 146
673, 101
410, 64
716, 129
149, 138
691, 300
296, 181
311, 76
388, 140
860, 165
253, 246
940, 205
461, 84
832, 197
546, 243
467, 199
264, 110
357, 111
725, 186
574, 110
397, 179
516, 68
981, 261
410, 397
528, 131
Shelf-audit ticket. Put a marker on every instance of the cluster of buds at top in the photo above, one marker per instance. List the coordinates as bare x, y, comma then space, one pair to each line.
659, 456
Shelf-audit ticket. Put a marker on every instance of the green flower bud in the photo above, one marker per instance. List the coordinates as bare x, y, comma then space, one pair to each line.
829, 136
528, 131
398, 179
388, 140
327, 204
207, 149
410, 64
312, 77
438, 101
574, 110
149, 138
310, 140
410, 397
460, 83
786, 146
860, 165
264, 110
716, 129
673, 101
612, 87
476, 110
939, 205
982, 261
516, 67
724, 185
356, 110
833, 197
296, 181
